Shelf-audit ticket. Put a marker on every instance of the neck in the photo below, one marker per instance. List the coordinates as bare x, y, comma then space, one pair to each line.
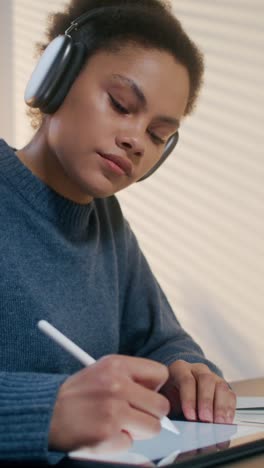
43, 162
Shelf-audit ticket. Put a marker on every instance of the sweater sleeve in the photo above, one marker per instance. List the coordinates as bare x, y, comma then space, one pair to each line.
151, 327
26, 405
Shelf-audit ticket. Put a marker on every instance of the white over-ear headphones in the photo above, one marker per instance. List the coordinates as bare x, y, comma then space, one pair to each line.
56, 70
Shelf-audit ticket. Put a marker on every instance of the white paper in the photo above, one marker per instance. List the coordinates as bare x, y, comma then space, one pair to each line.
249, 417
250, 402
250, 410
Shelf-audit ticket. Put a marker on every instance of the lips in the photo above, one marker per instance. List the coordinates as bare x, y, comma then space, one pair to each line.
120, 161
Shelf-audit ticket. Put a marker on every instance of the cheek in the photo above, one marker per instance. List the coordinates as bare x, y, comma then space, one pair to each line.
69, 131
149, 160
80, 122
64, 139
59, 135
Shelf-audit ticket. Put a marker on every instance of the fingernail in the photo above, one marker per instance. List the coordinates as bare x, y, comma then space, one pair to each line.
229, 418
220, 420
206, 413
191, 414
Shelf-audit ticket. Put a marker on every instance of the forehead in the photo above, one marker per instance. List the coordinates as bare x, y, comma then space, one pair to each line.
163, 81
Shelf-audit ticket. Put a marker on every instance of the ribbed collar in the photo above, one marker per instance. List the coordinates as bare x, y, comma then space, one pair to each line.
72, 216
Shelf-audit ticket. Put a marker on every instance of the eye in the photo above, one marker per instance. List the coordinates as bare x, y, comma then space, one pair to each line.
117, 106
156, 139
123, 110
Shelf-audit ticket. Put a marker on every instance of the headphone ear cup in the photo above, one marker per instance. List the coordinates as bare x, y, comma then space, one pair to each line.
54, 74
63, 86
170, 145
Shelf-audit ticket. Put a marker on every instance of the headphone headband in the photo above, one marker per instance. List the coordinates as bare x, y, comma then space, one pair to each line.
82, 19
85, 17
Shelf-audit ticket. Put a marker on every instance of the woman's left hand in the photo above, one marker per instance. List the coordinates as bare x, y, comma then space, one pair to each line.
199, 393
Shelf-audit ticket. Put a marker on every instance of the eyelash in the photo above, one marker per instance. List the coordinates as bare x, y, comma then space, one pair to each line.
117, 106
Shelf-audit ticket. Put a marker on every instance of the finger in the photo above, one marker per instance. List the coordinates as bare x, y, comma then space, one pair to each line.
146, 400
172, 394
223, 445
122, 441
185, 382
140, 425
122, 388
107, 371
206, 382
120, 415
224, 404
149, 373
207, 450
191, 454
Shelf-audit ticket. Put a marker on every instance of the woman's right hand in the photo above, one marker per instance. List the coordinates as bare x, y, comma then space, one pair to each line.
107, 405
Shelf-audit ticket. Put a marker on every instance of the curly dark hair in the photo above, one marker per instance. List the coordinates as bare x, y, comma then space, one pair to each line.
149, 23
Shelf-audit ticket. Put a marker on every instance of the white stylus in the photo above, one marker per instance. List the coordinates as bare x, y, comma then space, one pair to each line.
85, 358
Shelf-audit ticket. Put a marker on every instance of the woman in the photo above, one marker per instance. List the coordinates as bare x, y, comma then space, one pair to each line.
69, 256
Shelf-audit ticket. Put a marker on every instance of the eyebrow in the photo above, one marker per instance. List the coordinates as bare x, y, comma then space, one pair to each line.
142, 99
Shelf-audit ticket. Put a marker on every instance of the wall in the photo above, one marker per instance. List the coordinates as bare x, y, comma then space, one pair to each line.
203, 223
199, 219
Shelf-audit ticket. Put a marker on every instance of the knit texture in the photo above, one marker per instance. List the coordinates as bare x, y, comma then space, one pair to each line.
80, 268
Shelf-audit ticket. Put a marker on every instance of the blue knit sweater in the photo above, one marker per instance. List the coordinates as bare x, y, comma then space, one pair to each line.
79, 267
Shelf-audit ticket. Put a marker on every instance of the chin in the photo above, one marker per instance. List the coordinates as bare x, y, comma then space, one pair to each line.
98, 190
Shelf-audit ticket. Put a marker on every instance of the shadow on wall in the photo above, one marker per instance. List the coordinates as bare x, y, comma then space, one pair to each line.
225, 342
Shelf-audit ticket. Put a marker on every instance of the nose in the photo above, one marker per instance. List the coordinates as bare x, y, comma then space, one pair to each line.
131, 145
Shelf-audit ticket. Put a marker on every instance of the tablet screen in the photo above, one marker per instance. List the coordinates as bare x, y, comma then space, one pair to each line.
168, 448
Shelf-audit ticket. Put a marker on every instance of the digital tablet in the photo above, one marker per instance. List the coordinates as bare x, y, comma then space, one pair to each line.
198, 445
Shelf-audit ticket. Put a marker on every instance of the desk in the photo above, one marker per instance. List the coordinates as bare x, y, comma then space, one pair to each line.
247, 388
242, 388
